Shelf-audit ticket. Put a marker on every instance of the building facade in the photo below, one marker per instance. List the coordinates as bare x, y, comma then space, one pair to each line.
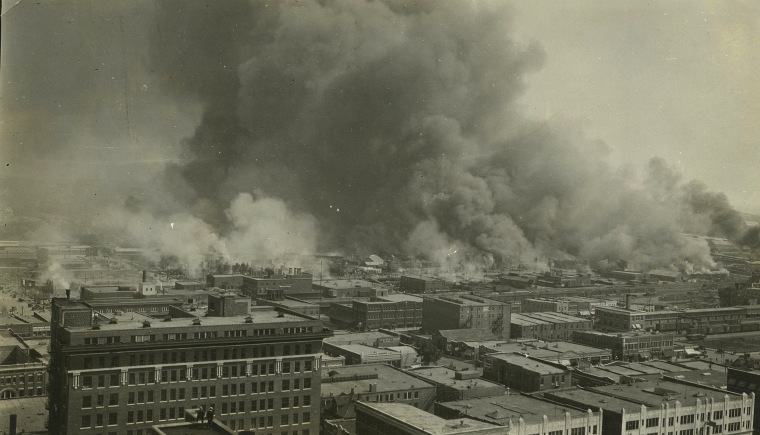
525, 374
391, 311
423, 285
629, 346
551, 326
466, 312
123, 373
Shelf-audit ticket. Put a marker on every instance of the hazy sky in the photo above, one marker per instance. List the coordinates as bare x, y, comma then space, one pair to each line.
676, 79
81, 112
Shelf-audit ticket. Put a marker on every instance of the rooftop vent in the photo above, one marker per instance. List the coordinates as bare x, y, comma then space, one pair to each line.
113, 321
146, 324
168, 318
248, 319
196, 321
96, 325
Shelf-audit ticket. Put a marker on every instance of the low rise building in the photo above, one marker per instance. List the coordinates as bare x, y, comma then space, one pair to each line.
523, 373
629, 346
624, 319
521, 414
559, 352
549, 326
391, 311
350, 288
342, 387
466, 312
21, 373
397, 356
405, 419
457, 385
423, 285
294, 305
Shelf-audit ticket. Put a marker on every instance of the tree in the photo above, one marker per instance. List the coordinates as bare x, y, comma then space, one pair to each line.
429, 353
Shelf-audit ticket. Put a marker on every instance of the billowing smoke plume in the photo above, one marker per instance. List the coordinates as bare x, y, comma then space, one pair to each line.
386, 126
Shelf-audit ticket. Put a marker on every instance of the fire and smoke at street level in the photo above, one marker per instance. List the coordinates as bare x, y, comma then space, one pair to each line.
359, 126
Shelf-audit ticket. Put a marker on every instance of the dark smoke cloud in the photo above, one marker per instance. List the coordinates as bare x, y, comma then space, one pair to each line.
382, 126
395, 128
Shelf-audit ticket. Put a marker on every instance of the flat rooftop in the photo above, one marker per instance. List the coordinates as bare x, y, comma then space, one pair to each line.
710, 378
131, 321
501, 409
656, 392
31, 412
401, 297
594, 400
467, 300
443, 375
627, 334
527, 363
363, 350
663, 366
427, 422
343, 337
345, 284
343, 380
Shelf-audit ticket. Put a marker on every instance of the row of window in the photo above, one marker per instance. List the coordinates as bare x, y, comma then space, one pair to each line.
688, 419
145, 377
176, 413
197, 356
145, 338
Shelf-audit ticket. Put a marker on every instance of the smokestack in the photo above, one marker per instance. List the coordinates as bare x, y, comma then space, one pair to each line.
145, 276
628, 301
12, 428
68, 293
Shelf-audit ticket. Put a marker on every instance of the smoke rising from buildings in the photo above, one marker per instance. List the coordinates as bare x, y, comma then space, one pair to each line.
365, 126
385, 127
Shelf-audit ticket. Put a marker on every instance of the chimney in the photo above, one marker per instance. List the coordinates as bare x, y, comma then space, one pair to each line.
628, 301
12, 423
145, 276
68, 293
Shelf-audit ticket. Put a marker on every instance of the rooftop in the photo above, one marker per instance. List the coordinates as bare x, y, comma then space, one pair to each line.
401, 297
345, 337
527, 363
344, 283
429, 423
623, 334
31, 412
710, 378
594, 400
501, 409
358, 378
445, 376
656, 392
131, 321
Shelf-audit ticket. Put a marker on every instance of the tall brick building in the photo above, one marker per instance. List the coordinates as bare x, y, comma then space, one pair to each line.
123, 373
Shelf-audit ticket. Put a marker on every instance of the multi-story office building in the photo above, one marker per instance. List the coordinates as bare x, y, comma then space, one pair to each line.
465, 312
123, 373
